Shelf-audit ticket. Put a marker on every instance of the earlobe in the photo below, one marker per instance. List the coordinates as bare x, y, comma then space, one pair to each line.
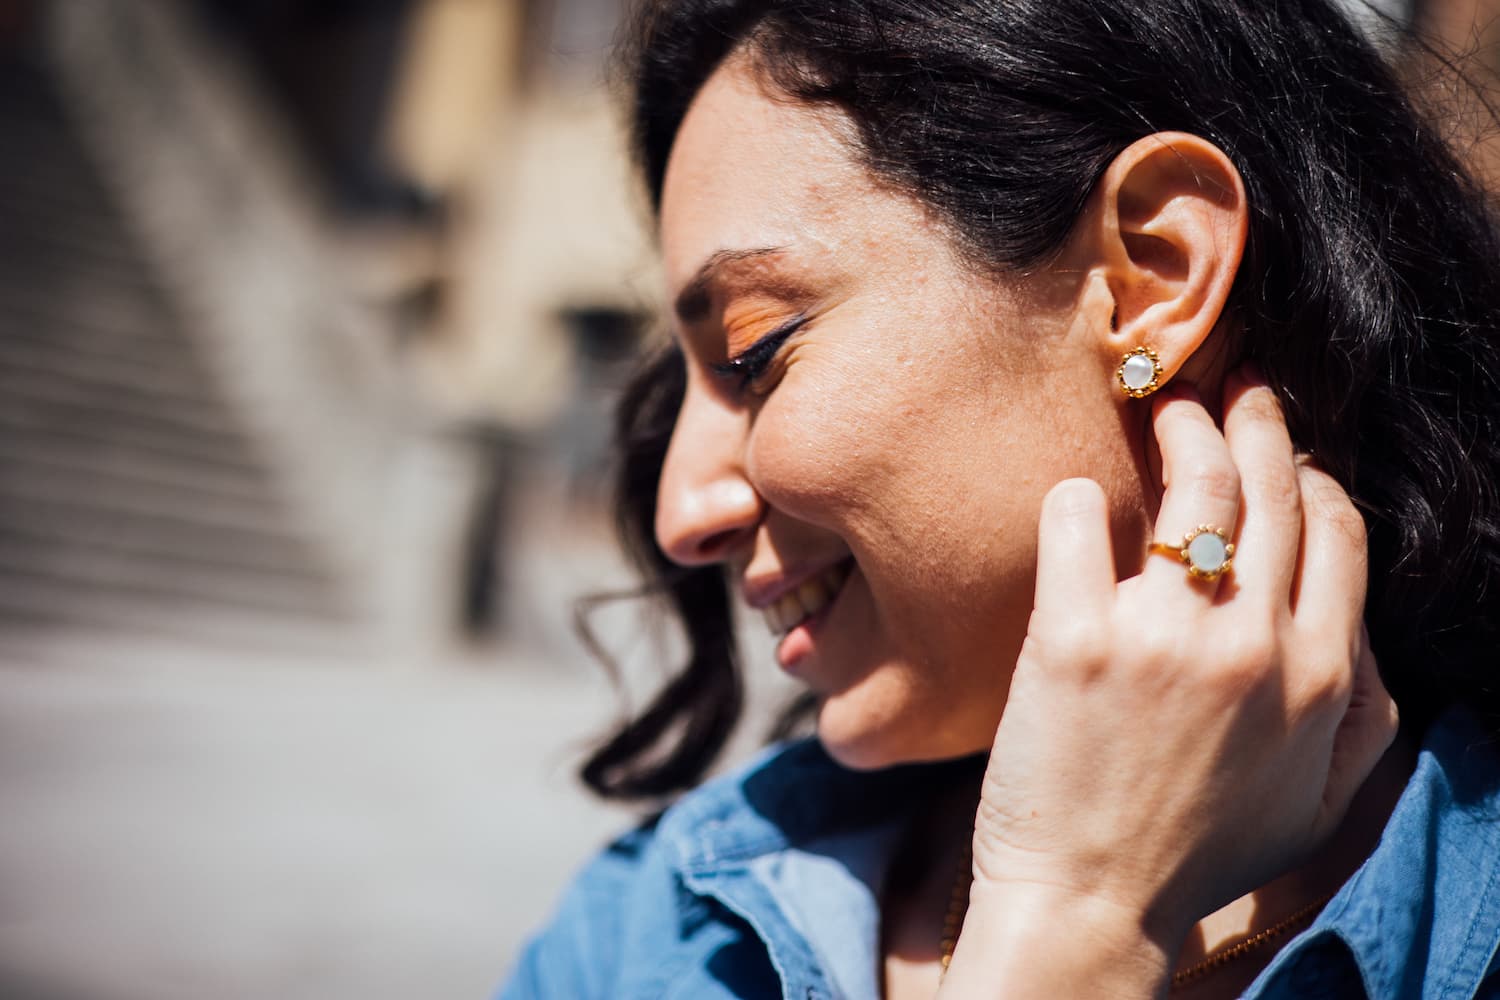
1169, 221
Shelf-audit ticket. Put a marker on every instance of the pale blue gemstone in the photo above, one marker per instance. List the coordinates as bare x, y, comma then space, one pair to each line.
1208, 553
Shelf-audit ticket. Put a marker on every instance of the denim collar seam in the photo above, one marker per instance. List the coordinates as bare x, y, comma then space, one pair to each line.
1369, 958
1331, 920
791, 956
711, 842
1487, 904
1370, 961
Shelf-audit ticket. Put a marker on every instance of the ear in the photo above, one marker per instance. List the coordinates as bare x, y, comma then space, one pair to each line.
1162, 240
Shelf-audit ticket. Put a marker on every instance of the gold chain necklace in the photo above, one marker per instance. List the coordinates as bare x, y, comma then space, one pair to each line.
958, 908
1229, 953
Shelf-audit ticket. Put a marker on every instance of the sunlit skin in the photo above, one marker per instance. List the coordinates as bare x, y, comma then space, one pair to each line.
909, 428
914, 422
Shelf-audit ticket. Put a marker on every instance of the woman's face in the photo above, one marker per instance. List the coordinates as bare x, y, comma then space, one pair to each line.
872, 478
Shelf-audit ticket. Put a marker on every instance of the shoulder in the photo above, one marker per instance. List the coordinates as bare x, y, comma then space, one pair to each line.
628, 917
575, 954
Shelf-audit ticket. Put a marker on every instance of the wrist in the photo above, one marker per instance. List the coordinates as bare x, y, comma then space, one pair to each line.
1038, 941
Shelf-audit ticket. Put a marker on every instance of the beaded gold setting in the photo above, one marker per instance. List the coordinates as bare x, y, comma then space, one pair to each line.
1138, 380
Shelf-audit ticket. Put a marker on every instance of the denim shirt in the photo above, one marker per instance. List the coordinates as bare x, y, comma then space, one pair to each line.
766, 883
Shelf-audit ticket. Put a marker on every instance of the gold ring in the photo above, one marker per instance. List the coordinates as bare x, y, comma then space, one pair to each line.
1206, 551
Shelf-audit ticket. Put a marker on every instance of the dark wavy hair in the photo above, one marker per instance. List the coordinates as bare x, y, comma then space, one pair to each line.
1369, 291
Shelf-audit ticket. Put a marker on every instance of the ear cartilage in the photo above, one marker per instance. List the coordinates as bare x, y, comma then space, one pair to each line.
1140, 373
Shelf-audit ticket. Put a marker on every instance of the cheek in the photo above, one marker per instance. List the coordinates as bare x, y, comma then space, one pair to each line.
816, 449
837, 448
898, 474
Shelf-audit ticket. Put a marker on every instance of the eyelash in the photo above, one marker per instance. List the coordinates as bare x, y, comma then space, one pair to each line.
751, 363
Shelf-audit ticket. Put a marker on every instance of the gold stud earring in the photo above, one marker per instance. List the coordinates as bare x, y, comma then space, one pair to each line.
1139, 373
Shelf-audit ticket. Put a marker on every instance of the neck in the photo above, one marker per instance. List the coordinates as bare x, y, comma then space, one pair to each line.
919, 887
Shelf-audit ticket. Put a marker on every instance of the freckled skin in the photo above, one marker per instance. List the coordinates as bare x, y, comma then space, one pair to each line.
915, 422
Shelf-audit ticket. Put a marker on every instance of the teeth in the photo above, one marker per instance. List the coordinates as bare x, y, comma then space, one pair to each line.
814, 595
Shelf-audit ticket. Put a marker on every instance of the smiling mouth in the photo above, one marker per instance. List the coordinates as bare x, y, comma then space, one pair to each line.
812, 596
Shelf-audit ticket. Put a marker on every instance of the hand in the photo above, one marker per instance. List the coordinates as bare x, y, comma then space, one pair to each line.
1170, 743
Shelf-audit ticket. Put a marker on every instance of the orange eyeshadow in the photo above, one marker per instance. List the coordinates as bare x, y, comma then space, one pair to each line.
745, 324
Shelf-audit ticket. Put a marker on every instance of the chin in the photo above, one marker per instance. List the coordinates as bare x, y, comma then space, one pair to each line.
866, 738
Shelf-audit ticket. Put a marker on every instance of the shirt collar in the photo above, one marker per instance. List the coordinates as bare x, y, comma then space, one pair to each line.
792, 796
798, 847
1423, 913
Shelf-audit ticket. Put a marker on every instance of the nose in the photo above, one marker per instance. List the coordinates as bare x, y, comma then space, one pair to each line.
706, 506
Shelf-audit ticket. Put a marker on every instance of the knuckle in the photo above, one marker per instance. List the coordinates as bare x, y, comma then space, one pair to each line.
1323, 492
1274, 484
1216, 482
1253, 656
1259, 403
1153, 652
1324, 499
1342, 515
1249, 655
1322, 677
1390, 721
1332, 682
1323, 692
1072, 642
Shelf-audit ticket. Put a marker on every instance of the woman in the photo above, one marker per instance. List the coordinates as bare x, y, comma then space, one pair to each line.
1026, 358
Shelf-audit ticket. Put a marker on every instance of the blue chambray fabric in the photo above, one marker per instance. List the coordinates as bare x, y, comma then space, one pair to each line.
1421, 917
765, 883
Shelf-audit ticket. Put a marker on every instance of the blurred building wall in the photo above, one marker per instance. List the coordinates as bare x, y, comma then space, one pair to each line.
546, 219
401, 241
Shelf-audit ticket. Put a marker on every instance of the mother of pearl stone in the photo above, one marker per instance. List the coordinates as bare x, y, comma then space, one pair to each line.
1139, 371
1207, 552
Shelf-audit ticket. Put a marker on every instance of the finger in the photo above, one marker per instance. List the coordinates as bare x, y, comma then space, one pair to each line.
1270, 527
1366, 731
1328, 589
1075, 566
1201, 481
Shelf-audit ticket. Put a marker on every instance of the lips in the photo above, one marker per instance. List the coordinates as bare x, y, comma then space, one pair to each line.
807, 599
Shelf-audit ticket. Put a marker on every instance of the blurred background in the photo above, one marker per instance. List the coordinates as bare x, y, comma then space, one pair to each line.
312, 313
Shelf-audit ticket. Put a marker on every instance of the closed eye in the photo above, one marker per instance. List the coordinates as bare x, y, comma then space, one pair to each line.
751, 363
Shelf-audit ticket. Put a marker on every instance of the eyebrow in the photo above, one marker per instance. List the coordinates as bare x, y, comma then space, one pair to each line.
693, 301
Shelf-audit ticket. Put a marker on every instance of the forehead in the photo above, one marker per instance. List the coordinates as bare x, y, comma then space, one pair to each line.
749, 169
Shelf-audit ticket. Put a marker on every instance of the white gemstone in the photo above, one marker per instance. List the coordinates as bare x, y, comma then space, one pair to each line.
1139, 371
1207, 553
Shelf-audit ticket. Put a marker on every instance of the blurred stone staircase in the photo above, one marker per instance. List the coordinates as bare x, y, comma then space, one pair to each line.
131, 495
